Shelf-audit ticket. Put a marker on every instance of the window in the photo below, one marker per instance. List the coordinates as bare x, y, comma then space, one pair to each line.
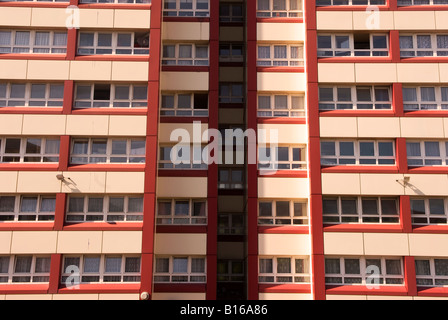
31, 94
425, 98
23, 41
280, 55
360, 210
355, 271
103, 268
231, 224
92, 43
279, 9
282, 158
111, 96
34, 0
282, 212
231, 12
281, 105
423, 45
427, 153
115, 1
230, 178
25, 269
185, 55
180, 269
29, 150
111, 208
284, 270
431, 272
116, 150
357, 153
321, 3
231, 52
426, 211
355, 98
181, 157
352, 45
17, 208
230, 271
231, 93
181, 211
421, 2
186, 8
185, 104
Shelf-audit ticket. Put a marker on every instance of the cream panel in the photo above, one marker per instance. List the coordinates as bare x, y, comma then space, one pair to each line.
184, 187
84, 182
280, 32
445, 126
427, 184
119, 296
79, 242
430, 298
186, 244
386, 244
91, 70
422, 128
28, 297
75, 296
277, 81
389, 298
49, 17
285, 296
340, 243
125, 182
127, 126
336, 72
443, 71
428, 245
2, 297
340, 127
12, 69
441, 20
48, 70
231, 74
176, 129
185, 31
283, 188
15, 16
231, 250
283, 244
344, 297
29, 181
8, 181
11, 123
331, 20
43, 124
231, 34
375, 72
178, 296
384, 20
96, 18
378, 127
417, 72
133, 19
41, 242
87, 125
130, 71
5, 242
122, 242
332, 183
231, 116
184, 81
414, 20
384, 184
287, 133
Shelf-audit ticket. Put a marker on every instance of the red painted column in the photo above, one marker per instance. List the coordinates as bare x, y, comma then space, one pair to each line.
410, 276
397, 99
64, 153
59, 214
69, 88
55, 273
405, 214
394, 45
402, 157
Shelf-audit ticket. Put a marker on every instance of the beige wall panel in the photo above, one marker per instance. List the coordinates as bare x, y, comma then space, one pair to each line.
386, 244
96, 18
12, 69
84, 182
341, 243
278, 81
2, 297
341, 183
340, 127
427, 185
422, 128
11, 124
334, 20
49, 17
38, 242
28, 297
184, 187
29, 181
5, 242
375, 72
48, 70
389, 298
417, 72
231, 34
283, 244
361, 21
336, 72
443, 69
34, 124
378, 127
231, 250
79, 242
130, 71
87, 125
283, 187
87, 296
428, 245
286, 133
185, 31
178, 296
15, 16
345, 297
445, 127
122, 242
280, 32
285, 296
381, 184
127, 126
231, 74
184, 81
441, 20
231, 116
8, 181
166, 129
430, 298
185, 244
125, 182
119, 296
414, 20
133, 19
91, 70
231, 203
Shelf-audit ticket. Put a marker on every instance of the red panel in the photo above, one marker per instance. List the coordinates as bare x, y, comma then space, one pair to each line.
280, 20
30, 110
281, 120
26, 226
64, 153
405, 214
110, 111
164, 119
103, 288
212, 229
252, 277
149, 207
182, 229
185, 19
185, 69
356, 60
397, 99
286, 174
370, 228
211, 275
33, 56
318, 273
24, 288
431, 229
357, 113
433, 292
182, 173
361, 169
108, 57
59, 214
285, 288
104, 226
34, 4
55, 273
29, 166
281, 69
120, 167
362, 290
72, 41
409, 275
69, 87
147, 273
115, 6
401, 154
394, 46
179, 287
284, 229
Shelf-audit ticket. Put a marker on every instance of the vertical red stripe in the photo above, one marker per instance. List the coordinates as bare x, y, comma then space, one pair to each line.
405, 214
394, 45
69, 87
72, 40
59, 214
55, 273
64, 153
402, 161
147, 273
410, 276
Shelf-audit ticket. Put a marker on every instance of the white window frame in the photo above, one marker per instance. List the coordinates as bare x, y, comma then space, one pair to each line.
413, 3
17, 213
231, 98
443, 158
432, 276
172, 218
437, 104
229, 228
431, 52
231, 184
230, 276
114, 47
278, 164
276, 276
23, 154
231, 17
11, 274
34, 1
178, 61
351, 51
288, 13
32, 47
427, 214
289, 112
48, 102
137, 2
275, 220
230, 57
171, 274
272, 61
183, 112
350, 3
192, 163
193, 12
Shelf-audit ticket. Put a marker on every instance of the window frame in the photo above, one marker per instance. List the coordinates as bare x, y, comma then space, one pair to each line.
231, 98
302, 164
230, 276
288, 13
263, 277
427, 214
304, 219
183, 112
17, 212
189, 274
350, 3
231, 57
352, 52
22, 150
290, 62
434, 50
27, 99
164, 164
228, 228
195, 12
195, 61
190, 217
289, 112
230, 18
443, 151
231, 184
32, 46
139, 51
439, 103
11, 274
433, 277
430, 3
